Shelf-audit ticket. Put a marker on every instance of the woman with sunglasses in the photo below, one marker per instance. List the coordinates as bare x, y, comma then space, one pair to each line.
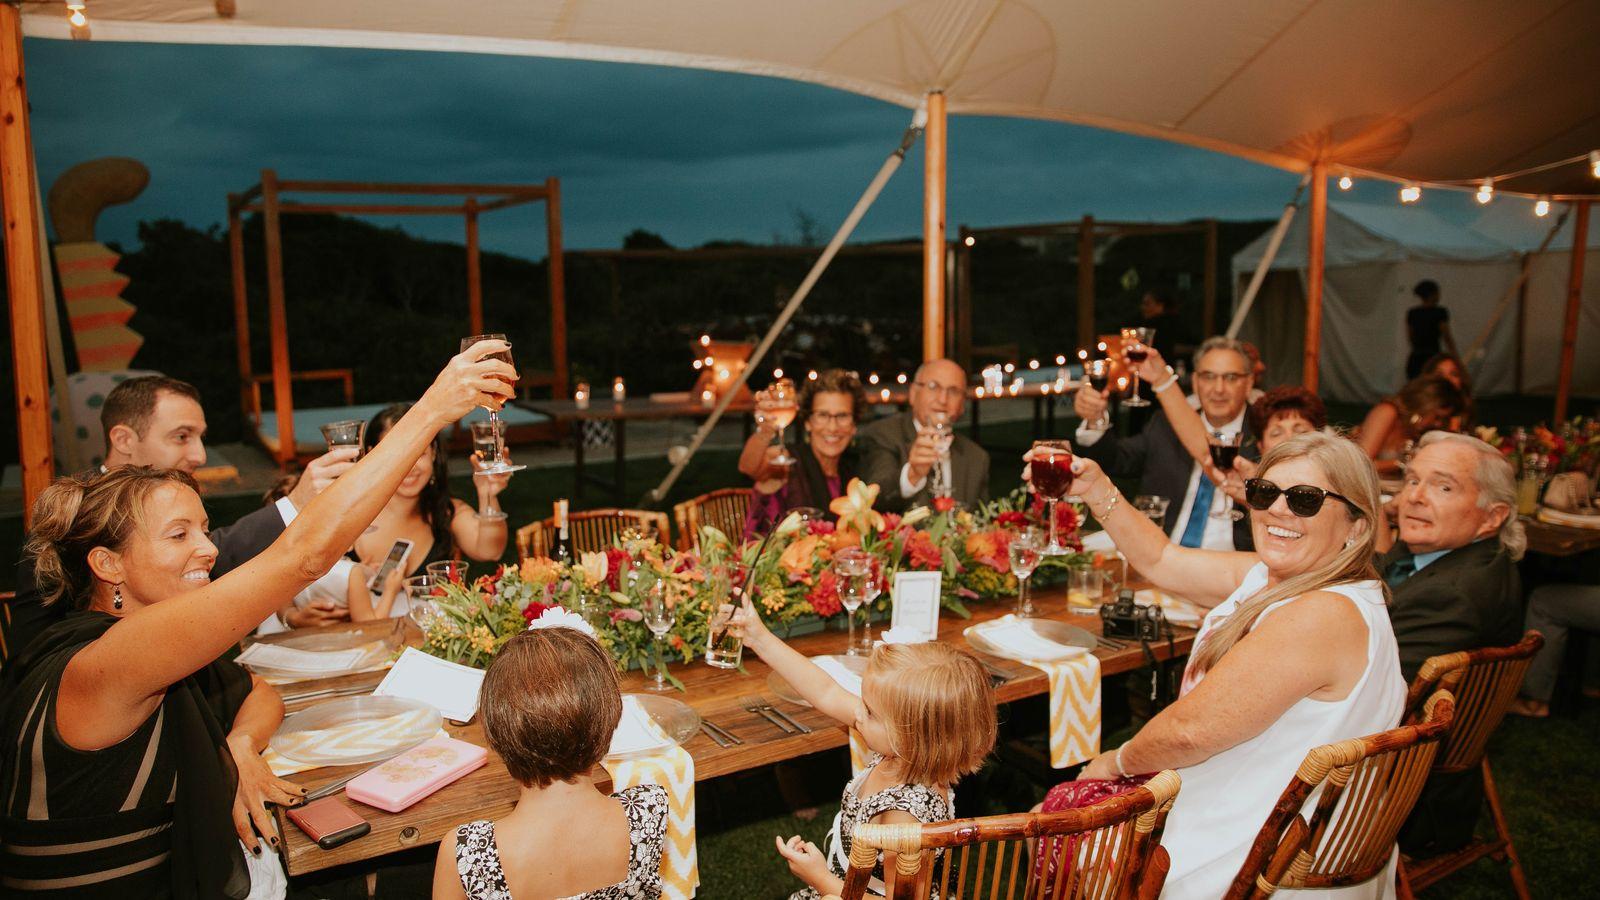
1295, 652
831, 405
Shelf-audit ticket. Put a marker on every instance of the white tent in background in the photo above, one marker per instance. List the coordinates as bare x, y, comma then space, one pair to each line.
1375, 255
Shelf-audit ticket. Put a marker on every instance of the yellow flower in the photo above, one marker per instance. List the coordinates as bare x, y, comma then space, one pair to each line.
594, 568
539, 570
854, 507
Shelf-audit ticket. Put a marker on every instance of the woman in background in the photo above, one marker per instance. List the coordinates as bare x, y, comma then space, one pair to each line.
830, 409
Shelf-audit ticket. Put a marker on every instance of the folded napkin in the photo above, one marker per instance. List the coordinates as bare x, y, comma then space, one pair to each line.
1017, 635
1074, 708
358, 738
837, 670
636, 731
1098, 541
673, 768
290, 660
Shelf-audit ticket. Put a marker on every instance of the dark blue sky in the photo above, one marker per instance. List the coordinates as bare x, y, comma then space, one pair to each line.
692, 155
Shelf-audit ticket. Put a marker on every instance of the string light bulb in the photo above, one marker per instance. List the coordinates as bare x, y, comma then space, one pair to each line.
811, 375
776, 374
705, 340
1346, 182
970, 241
1594, 163
901, 378
77, 18
1541, 207
1485, 191
699, 364
873, 378
1411, 193
1061, 358
1033, 364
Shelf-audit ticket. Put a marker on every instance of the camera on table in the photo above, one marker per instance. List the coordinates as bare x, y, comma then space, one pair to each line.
1127, 619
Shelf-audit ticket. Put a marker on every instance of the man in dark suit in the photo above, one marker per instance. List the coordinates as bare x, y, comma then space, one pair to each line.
900, 453
1454, 580
1223, 378
157, 421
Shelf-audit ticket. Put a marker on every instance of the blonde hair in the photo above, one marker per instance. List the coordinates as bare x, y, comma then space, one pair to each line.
79, 513
1351, 474
939, 706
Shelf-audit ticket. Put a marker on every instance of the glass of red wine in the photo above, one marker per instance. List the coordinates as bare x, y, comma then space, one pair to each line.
1224, 450
497, 465
1136, 347
1098, 371
1051, 466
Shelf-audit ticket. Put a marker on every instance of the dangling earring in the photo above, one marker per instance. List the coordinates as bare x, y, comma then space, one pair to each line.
116, 596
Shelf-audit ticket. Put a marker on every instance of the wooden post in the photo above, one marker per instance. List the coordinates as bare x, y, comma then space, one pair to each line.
277, 319
18, 194
1569, 332
1086, 283
241, 310
964, 301
474, 273
558, 289
1314, 265
1208, 312
934, 144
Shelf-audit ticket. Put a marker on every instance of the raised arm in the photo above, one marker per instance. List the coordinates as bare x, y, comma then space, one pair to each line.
120, 677
819, 689
1184, 419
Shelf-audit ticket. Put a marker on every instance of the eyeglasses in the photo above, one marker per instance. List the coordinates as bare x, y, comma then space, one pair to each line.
1228, 378
838, 418
941, 390
1304, 500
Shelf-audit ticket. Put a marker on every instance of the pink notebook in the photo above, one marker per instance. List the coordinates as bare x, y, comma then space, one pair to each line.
416, 773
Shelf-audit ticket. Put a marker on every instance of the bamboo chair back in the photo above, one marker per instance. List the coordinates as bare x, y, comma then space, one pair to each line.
1368, 787
590, 531
5, 625
1102, 852
723, 510
1483, 683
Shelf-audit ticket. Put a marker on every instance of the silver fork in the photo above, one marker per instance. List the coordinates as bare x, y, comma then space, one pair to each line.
760, 708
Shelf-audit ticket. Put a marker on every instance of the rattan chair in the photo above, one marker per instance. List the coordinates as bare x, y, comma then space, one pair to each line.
1109, 850
723, 509
5, 625
591, 530
1378, 777
1484, 682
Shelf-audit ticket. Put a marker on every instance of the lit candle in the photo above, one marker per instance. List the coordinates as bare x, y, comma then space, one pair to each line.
722, 375
979, 392
708, 399
619, 391
993, 378
580, 397
884, 394
1010, 367
1044, 388
1016, 386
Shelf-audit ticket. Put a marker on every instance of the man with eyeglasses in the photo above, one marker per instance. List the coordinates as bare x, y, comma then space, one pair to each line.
900, 453
1222, 380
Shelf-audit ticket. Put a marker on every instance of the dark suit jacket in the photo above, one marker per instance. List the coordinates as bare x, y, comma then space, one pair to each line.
236, 544
1471, 597
885, 447
1163, 466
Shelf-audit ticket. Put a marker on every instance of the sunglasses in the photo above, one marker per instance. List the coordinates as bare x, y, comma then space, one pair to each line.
1304, 500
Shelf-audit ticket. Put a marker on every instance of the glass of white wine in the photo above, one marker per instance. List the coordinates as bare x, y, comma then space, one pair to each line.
496, 463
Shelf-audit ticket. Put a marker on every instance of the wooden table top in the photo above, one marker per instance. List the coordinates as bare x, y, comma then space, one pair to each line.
1559, 540
714, 693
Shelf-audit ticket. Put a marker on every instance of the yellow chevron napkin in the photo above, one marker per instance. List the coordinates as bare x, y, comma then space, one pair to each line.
1074, 708
673, 768
356, 738
860, 753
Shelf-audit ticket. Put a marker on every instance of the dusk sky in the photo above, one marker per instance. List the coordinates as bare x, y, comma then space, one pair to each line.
692, 155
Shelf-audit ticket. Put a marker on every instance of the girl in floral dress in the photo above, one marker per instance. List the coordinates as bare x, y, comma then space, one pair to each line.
927, 713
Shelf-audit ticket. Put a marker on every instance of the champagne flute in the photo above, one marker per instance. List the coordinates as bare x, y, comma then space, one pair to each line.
1136, 347
854, 570
483, 449
1224, 450
659, 617
1027, 549
943, 436
1098, 371
1052, 475
782, 405
497, 464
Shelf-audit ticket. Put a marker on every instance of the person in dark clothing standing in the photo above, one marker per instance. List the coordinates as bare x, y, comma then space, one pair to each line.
1158, 309
1427, 328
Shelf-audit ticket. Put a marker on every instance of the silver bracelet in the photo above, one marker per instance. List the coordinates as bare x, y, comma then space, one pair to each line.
1172, 379
1122, 772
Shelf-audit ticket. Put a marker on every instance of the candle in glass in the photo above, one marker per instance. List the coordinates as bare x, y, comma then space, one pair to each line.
619, 391
580, 396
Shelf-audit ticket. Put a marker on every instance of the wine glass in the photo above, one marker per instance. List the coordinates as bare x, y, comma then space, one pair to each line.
854, 569
870, 593
938, 425
419, 602
782, 405
1052, 475
497, 464
659, 617
1098, 371
1136, 347
1027, 549
483, 449
1224, 450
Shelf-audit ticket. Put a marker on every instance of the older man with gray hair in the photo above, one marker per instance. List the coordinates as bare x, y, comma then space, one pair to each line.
1454, 578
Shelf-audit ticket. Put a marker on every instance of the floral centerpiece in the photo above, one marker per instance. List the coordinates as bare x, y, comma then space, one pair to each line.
1574, 446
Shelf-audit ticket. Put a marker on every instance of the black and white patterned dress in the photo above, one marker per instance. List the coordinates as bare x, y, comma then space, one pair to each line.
478, 859
924, 803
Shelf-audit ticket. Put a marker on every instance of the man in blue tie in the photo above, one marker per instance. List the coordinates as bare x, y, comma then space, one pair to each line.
1223, 378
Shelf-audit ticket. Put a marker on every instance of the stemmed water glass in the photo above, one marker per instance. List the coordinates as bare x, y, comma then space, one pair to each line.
483, 449
1224, 450
658, 617
1136, 347
938, 425
497, 464
854, 570
782, 403
1027, 549
1051, 465
420, 608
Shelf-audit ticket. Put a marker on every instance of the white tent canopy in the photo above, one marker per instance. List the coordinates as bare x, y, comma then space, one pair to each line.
1375, 254
1428, 90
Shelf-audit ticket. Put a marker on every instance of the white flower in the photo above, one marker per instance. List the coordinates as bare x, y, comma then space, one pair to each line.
594, 566
916, 515
556, 617
789, 525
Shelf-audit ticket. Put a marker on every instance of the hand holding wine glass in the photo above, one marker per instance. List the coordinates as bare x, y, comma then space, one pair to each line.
1224, 452
474, 344
1050, 468
783, 403
474, 377
1154, 369
1092, 403
1136, 349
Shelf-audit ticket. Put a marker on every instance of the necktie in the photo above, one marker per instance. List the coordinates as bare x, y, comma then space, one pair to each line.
1400, 570
1195, 531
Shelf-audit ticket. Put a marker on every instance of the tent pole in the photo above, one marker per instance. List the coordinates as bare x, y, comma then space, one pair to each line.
1086, 282
241, 309
74, 460
964, 301
1314, 266
1569, 333
558, 286
18, 194
933, 212
1262, 267
474, 274
278, 320
1208, 313
1516, 292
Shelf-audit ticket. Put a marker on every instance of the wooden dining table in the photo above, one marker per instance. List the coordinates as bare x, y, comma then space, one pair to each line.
1550, 539
716, 694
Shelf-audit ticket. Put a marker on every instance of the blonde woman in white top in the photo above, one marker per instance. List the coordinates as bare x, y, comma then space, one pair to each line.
1295, 652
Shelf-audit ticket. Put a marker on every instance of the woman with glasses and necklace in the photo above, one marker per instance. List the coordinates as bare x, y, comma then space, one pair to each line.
1296, 651
830, 407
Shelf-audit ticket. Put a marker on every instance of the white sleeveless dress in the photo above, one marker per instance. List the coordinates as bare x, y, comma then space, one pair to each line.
1225, 799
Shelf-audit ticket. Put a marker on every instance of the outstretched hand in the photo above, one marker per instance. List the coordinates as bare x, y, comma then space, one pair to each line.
471, 378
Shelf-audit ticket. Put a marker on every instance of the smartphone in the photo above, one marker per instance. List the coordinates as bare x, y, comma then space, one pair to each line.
329, 821
395, 559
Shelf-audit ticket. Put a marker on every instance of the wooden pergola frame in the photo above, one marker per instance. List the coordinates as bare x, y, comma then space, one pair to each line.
266, 197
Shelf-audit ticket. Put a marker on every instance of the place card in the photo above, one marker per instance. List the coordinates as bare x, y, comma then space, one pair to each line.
916, 605
449, 687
